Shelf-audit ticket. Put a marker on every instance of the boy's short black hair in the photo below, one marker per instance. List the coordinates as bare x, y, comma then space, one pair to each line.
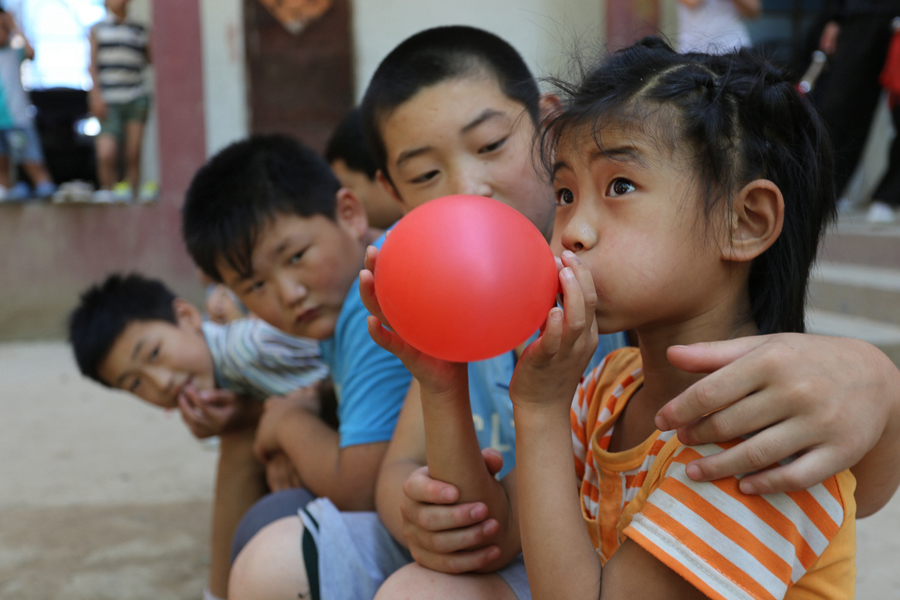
435, 55
106, 309
242, 188
348, 144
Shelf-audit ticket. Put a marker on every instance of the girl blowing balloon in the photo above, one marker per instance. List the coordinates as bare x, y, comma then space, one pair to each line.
692, 191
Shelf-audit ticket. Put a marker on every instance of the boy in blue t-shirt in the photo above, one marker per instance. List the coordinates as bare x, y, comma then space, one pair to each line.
267, 217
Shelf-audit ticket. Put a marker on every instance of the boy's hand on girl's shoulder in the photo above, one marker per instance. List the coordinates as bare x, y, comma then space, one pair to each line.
208, 412
550, 368
434, 375
275, 411
823, 398
445, 536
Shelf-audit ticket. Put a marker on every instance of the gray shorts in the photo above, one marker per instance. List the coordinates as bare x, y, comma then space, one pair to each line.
348, 555
22, 144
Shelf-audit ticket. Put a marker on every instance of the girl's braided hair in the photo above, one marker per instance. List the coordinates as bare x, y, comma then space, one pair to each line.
734, 118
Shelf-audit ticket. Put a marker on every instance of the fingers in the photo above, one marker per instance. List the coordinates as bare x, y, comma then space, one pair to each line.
751, 414
711, 356
419, 487
493, 460
717, 390
456, 540
757, 452
458, 562
367, 294
808, 470
371, 258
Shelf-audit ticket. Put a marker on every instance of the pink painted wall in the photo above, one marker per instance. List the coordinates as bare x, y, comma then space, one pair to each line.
49, 254
629, 20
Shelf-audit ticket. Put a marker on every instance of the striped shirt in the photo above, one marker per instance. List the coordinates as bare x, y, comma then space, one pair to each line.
121, 59
796, 545
253, 359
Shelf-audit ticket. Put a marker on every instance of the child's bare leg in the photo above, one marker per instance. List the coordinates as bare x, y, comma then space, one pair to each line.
414, 581
107, 149
4, 170
134, 135
37, 172
240, 481
271, 564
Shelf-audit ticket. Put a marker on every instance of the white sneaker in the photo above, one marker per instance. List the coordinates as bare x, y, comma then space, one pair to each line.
880, 212
104, 197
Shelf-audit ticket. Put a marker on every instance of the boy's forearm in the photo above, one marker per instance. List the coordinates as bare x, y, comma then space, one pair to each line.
559, 556
454, 455
878, 473
345, 475
389, 495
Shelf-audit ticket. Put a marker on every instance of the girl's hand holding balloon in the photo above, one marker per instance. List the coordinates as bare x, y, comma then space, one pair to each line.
551, 367
435, 375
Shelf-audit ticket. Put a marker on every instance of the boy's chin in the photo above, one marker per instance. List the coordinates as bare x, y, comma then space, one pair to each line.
320, 328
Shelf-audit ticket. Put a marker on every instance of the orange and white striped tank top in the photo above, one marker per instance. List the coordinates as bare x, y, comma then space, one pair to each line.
798, 545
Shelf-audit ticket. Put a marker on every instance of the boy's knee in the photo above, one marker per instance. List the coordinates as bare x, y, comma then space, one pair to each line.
414, 581
271, 564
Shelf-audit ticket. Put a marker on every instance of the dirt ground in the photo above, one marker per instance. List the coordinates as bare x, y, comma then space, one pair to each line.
102, 497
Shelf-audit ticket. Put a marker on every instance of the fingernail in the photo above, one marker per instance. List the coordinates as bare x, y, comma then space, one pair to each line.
568, 254
478, 512
661, 423
694, 472
447, 495
568, 273
747, 487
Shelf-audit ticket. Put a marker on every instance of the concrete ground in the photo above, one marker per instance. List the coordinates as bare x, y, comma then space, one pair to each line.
102, 497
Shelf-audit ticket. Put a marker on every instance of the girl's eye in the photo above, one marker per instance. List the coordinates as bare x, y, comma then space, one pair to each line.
493, 147
620, 187
135, 384
564, 197
425, 178
255, 286
154, 354
296, 257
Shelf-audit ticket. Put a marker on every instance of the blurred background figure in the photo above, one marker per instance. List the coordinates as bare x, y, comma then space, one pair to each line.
714, 26
120, 51
855, 37
19, 141
354, 166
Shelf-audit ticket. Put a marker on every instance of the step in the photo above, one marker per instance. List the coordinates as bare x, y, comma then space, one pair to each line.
885, 336
853, 240
856, 290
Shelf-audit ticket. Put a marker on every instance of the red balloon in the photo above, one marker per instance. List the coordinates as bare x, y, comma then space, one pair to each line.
465, 278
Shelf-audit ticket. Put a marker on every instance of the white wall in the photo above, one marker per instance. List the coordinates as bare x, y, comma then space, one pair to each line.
545, 32
224, 73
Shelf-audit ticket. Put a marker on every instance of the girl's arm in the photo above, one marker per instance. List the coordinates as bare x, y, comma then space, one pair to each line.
560, 559
559, 556
452, 449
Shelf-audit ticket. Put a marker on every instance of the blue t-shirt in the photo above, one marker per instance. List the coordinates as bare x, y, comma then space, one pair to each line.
492, 409
370, 382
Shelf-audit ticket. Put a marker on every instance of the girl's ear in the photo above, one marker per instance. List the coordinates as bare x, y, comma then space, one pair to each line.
550, 105
756, 221
350, 214
391, 190
187, 315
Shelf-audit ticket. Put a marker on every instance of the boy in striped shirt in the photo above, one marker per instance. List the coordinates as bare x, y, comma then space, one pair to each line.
133, 334
120, 52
